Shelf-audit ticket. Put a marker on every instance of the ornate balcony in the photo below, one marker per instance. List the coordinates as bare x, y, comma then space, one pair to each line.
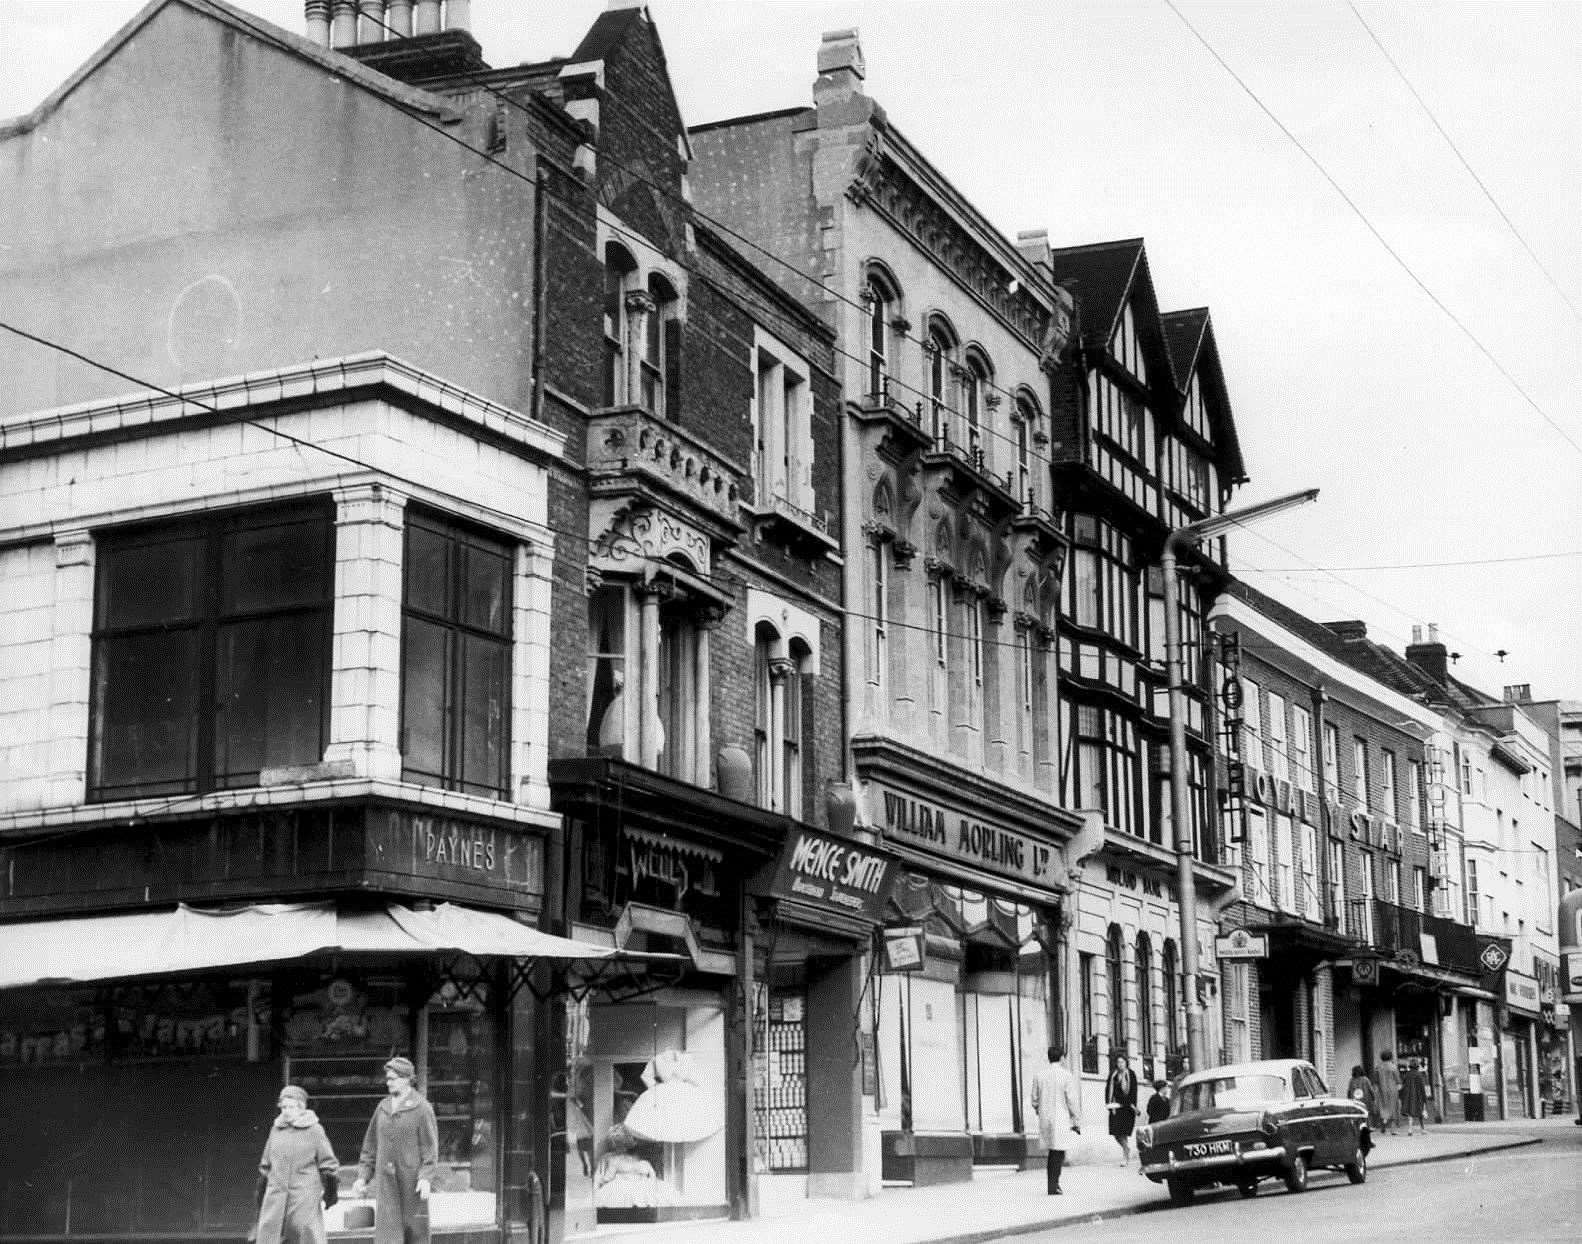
631, 450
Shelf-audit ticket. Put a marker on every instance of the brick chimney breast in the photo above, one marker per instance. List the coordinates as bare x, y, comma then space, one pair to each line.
1349, 630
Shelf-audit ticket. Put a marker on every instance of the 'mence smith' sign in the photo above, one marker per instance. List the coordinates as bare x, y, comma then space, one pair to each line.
827, 872
959, 837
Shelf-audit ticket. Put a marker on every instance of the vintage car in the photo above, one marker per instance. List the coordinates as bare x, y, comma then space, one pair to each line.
1237, 1124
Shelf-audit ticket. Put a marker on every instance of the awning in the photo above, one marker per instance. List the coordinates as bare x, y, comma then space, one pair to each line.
190, 939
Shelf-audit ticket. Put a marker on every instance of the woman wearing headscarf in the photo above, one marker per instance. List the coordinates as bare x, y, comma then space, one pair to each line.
296, 1175
400, 1150
1120, 1098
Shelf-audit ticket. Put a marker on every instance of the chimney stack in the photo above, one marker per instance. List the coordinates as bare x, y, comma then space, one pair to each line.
1351, 629
1429, 657
840, 67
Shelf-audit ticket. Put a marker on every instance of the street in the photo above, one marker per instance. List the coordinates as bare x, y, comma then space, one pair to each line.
1530, 1193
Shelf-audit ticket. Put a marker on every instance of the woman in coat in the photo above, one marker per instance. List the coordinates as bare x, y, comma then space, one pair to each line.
296, 1175
1361, 1089
400, 1151
1120, 1097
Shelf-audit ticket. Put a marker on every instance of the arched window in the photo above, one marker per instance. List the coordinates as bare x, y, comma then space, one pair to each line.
1027, 419
883, 302
656, 344
619, 269
1145, 995
976, 381
940, 348
1114, 971
1172, 975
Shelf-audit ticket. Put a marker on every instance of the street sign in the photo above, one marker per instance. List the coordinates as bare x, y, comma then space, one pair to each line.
1240, 944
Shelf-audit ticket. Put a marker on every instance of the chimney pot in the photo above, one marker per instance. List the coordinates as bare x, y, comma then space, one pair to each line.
316, 19
841, 50
1417, 633
1433, 632
343, 23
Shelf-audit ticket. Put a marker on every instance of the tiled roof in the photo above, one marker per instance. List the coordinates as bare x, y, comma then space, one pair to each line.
1184, 337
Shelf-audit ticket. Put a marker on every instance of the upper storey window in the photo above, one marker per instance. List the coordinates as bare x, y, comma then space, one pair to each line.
883, 303
782, 425
211, 651
640, 312
1127, 349
940, 349
977, 381
1120, 415
1028, 418
1195, 413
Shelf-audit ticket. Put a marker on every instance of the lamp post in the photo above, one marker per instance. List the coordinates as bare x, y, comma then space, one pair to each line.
1183, 538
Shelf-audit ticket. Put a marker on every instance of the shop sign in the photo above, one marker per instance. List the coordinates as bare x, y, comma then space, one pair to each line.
1521, 992
685, 868
1125, 878
451, 848
1493, 957
905, 949
826, 872
1240, 944
1365, 971
965, 839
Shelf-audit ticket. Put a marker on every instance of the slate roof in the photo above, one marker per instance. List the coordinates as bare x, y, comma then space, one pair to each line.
1184, 332
1100, 274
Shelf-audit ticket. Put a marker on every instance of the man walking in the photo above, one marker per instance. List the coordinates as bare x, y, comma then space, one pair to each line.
1387, 1081
1059, 1108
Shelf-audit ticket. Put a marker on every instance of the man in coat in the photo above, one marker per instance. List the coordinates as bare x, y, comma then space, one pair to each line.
1059, 1108
400, 1152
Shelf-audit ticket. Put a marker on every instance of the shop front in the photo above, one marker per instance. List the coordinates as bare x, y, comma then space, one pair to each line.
1519, 1045
965, 1004
147, 1045
653, 1105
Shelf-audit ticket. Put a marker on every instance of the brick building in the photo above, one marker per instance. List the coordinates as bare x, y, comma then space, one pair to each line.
476, 548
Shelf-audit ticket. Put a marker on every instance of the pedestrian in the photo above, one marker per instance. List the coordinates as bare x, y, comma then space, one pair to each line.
1120, 1099
399, 1153
1387, 1080
1159, 1104
297, 1175
1361, 1090
1414, 1096
1058, 1105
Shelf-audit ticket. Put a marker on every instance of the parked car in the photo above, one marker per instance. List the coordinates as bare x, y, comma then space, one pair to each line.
1238, 1124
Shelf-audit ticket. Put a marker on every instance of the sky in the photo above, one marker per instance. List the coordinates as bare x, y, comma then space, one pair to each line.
1380, 203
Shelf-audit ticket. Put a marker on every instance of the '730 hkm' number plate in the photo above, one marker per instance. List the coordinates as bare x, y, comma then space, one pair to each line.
1206, 1148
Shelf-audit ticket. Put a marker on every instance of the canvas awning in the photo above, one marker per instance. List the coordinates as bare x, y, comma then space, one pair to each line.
190, 939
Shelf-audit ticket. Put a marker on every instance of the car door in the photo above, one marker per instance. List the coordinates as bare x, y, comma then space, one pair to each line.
1334, 1136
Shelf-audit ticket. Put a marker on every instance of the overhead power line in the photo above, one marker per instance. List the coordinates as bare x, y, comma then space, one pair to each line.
1466, 164
1374, 230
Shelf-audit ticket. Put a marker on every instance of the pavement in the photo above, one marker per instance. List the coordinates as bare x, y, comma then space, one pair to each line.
998, 1202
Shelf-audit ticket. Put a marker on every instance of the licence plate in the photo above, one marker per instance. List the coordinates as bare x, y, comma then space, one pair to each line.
1206, 1149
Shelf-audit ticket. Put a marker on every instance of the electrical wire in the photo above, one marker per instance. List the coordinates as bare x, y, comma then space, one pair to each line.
1374, 230
1465, 163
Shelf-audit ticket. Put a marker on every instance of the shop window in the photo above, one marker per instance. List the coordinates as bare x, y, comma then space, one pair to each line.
780, 1117
644, 1102
211, 651
455, 657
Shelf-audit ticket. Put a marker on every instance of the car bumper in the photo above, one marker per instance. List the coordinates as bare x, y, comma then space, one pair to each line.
1239, 1157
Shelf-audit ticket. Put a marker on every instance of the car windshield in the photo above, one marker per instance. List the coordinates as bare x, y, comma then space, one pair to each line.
1229, 1093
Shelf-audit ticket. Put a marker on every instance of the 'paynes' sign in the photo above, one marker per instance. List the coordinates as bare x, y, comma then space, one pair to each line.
828, 872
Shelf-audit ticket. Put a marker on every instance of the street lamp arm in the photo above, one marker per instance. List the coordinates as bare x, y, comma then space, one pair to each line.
1192, 533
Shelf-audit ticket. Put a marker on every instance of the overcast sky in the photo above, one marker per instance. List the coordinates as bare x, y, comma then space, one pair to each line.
1433, 394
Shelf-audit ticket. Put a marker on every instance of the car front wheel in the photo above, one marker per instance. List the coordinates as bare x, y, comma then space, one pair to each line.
1357, 1168
1180, 1191
1296, 1176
